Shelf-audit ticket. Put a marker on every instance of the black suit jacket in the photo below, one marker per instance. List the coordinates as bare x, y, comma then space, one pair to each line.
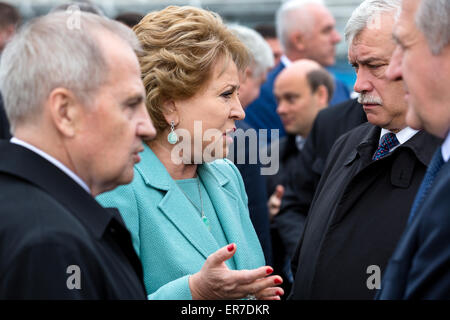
419, 267
329, 125
4, 123
358, 214
48, 224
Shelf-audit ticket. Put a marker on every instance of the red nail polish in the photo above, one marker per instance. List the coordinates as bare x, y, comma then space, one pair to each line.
277, 281
279, 293
230, 247
269, 270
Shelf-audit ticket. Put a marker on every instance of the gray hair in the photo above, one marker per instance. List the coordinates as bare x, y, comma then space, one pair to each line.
261, 54
294, 16
433, 19
82, 6
50, 52
367, 15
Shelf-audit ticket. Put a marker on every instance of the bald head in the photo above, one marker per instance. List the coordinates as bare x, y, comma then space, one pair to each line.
302, 90
299, 68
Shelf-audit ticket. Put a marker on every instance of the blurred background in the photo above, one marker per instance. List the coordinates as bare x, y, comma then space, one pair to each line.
246, 12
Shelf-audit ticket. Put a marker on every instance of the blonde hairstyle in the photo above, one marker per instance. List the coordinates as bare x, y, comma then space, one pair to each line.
180, 47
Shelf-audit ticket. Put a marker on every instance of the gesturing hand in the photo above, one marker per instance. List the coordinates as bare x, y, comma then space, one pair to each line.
215, 281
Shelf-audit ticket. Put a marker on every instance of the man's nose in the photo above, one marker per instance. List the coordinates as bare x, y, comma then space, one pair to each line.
145, 128
394, 70
362, 83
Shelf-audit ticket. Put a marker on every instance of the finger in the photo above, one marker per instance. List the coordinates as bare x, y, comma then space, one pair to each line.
221, 255
246, 277
269, 293
262, 284
279, 191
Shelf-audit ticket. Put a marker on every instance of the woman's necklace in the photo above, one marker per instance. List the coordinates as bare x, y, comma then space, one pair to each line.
202, 213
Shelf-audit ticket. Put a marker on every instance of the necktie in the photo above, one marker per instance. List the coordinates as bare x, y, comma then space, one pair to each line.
388, 141
432, 171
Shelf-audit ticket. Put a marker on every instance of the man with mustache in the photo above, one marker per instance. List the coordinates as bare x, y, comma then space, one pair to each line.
372, 174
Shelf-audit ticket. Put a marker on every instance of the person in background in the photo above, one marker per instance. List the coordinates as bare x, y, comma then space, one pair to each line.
9, 21
306, 30
269, 33
418, 269
187, 206
250, 83
371, 176
84, 6
302, 90
129, 18
77, 132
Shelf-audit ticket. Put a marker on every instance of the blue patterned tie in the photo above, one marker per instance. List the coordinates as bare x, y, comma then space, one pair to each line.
432, 171
388, 141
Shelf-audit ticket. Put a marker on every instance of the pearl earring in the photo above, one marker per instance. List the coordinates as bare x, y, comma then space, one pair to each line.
172, 136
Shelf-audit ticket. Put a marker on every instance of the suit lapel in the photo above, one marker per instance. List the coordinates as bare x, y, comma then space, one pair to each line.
179, 211
174, 205
226, 205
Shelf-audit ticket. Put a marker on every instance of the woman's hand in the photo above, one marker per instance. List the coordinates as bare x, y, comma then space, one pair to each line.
215, 281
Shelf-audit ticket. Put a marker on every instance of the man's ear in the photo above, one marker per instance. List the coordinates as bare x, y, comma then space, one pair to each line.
170, 112
297, 39
65, 111
322, 96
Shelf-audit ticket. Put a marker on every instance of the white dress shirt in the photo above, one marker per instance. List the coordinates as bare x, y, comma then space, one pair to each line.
446, 148
285, 61
402, 136
52, 160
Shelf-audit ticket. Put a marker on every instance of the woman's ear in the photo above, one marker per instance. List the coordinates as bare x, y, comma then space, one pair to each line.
170, 112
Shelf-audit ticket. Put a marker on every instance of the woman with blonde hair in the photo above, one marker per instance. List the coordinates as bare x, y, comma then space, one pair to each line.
187, 207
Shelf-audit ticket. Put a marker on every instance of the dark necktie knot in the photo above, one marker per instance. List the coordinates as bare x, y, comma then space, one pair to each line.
387, 143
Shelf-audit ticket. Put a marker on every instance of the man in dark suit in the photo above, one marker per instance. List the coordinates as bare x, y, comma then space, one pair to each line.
306, 30
419, 267
77, 135
372, 173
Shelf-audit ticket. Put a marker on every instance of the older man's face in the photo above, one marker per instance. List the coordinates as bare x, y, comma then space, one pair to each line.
320, 44
426, 76
370, 53
115, 124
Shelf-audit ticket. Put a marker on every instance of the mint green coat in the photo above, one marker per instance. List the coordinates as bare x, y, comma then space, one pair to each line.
170, 243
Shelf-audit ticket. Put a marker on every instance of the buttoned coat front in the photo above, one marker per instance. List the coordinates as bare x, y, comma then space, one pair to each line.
168, 234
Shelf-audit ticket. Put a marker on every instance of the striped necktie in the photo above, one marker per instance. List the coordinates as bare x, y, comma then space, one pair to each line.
432, 171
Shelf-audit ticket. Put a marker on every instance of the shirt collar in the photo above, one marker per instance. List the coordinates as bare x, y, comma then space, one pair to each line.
446, 148
285, 61
51, 159
299, 142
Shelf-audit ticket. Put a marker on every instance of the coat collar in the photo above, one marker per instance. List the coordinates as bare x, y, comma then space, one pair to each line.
179, 211
33, 168
422, 144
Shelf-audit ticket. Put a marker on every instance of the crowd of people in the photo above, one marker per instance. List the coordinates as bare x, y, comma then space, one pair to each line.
173, 156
